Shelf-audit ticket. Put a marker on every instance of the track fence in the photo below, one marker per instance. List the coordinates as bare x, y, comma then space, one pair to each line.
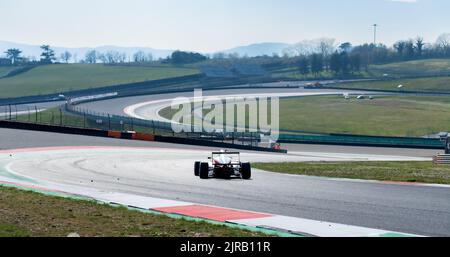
75, 116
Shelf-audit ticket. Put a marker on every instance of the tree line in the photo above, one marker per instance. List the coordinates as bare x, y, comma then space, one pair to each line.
14, 55
48, 56
310, 57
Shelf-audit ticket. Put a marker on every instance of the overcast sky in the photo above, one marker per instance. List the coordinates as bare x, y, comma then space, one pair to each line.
210, 25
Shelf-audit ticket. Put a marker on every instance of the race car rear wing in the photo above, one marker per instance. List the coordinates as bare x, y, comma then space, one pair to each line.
217, 153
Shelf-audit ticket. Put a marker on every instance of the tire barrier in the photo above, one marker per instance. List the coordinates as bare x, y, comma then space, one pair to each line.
442, 159
115, 134
143, 137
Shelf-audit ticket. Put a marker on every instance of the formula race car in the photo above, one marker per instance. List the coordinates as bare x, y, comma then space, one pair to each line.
224, 165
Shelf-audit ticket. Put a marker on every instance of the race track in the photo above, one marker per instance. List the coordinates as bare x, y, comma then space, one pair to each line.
166, 171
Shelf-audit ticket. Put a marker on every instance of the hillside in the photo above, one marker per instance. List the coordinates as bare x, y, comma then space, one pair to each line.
428, 67
5, 70
439, 84
50, 79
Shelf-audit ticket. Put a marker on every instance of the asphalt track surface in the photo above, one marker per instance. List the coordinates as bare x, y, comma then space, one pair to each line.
118, 105
166, 171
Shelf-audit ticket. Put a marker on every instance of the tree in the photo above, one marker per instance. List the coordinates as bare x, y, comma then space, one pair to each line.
345, 63
443, 44
316, 64
355, 62
335, 63
218, 56
13, 54
142, 57
409, 50
179, 57
419, 46
139, 57
66, 56
400, 46
122, 57
91, 56
326, 46
149, 57
346, 47
102, 57
48, 55
112, 56
303, 65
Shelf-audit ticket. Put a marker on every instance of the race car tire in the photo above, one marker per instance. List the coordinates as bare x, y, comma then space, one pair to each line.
204, 170
246, 170
197, 169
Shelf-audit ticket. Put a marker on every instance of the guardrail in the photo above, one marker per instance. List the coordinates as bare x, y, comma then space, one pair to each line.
72, 119
400, 142
78, 117
131, 135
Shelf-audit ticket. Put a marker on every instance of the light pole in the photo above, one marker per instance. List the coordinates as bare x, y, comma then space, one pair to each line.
375, 34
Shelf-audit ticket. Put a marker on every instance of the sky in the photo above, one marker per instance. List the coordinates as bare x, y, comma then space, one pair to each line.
214, 25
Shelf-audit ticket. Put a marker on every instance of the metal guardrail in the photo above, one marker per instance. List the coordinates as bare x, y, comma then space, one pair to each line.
401, 142
71, 117
78, 117
96, 120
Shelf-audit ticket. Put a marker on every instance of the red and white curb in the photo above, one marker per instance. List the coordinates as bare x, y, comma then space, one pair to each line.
280, 223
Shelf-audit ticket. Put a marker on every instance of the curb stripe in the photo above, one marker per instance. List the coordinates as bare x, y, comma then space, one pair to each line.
213, 213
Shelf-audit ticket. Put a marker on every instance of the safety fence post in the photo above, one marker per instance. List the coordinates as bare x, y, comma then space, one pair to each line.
60, 117
36, 114
84, 119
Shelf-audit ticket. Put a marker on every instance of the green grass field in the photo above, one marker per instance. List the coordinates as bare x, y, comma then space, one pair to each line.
441, 84
424, 172
428, 67
383, 116
50, 79
24, 214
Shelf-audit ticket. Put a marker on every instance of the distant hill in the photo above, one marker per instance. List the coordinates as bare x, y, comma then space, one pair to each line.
258, 49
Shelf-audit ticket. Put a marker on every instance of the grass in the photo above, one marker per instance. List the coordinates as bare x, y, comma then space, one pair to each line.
5, 70
294, 73
428, 67
48, 79
417, 68
423, 172
383, 116
419, 84
24, 213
